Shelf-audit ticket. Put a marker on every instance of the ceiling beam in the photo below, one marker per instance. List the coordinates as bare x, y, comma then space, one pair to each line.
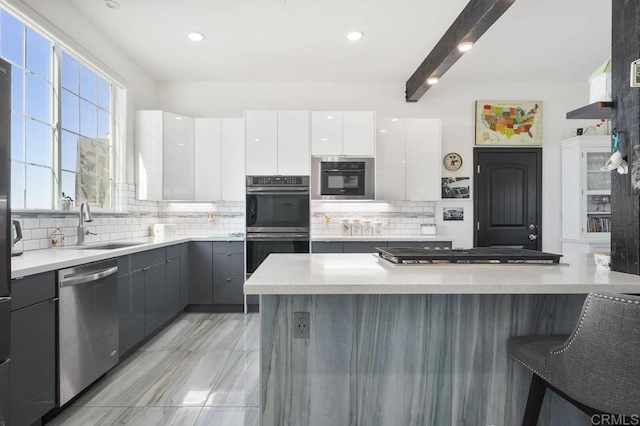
474, 20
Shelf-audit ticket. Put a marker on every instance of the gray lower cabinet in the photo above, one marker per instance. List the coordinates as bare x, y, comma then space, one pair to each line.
370, 246
173, 287
362, 246
326, 247
33, 349
131, 309
201, 273
184, 275
216, 273
155, 297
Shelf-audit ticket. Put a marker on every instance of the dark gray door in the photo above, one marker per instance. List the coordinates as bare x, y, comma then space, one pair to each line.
508, 197
155, 297
173, 286
131, 310
201, 272
33, 362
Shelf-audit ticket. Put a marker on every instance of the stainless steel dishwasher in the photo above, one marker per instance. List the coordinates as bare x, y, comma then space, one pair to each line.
88, 325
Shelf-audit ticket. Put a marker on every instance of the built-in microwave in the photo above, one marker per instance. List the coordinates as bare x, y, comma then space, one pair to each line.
342, 178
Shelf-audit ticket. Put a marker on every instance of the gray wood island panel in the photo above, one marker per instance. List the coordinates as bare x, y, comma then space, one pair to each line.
414, 354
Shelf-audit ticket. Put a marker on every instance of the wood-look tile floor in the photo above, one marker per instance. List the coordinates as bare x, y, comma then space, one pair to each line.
203, 369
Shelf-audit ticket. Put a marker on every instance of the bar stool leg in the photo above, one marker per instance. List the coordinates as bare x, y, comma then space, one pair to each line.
534, 401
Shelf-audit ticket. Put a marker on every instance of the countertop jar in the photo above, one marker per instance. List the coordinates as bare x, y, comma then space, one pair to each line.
356, 228
367, 228
345, 228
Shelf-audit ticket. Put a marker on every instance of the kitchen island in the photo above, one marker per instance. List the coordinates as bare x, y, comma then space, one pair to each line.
414, 344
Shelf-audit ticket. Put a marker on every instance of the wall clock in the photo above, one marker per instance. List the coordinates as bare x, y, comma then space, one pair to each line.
452, 161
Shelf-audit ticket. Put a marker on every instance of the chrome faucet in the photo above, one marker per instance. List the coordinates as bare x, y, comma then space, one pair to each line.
85, 216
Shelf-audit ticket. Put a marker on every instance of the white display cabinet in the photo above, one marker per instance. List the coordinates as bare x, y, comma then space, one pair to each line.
586, 194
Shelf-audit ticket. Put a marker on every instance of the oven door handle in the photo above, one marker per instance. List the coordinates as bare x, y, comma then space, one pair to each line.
343, 171
278, 237
274, 191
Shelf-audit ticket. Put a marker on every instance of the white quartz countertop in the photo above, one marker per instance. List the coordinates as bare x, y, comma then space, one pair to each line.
336, 238
38, 261
367, 274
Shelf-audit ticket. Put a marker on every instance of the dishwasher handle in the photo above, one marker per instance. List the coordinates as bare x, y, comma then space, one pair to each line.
81, 279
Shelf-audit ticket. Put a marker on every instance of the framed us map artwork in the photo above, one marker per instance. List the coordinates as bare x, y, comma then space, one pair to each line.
509, 123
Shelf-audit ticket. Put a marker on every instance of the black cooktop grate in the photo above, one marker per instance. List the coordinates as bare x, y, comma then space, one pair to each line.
408, 255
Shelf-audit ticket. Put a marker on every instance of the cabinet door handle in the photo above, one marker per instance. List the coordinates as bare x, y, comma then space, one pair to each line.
228, 254
228, 279
147, 268
169, 261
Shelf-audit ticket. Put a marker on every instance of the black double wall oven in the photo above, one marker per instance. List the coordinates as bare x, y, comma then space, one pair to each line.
278, 218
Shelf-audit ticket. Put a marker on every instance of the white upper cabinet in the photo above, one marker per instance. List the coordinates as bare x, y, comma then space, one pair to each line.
277, 143
208, 148
164, 156
424, 159
326, 133
181, 158
293, 143
390, 160
358, 133
232, 168
408, 160
349, 133
261, 142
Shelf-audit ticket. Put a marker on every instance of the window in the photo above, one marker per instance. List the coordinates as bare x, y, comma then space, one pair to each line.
46, 160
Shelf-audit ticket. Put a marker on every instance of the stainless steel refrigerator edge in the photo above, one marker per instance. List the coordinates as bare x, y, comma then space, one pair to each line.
5, 237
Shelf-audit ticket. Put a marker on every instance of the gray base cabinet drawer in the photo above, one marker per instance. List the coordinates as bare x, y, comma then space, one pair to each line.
362, 246
146, 258
173, 251
131, 310
228, 291
228, 247
33, 362
326, 247
228, 265
32, 289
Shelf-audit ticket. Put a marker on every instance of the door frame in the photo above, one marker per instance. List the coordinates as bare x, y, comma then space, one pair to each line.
476, 187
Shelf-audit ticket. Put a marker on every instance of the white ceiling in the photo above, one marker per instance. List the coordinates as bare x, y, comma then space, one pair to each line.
304, 40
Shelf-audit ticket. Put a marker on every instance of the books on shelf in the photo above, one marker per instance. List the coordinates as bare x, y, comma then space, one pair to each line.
598, 224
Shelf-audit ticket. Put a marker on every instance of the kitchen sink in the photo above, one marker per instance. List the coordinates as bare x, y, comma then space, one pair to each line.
106, 246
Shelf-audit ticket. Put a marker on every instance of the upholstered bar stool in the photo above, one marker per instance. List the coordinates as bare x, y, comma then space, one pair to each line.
596, 368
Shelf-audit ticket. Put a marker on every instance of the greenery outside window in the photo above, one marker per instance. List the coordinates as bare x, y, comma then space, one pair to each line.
61, 122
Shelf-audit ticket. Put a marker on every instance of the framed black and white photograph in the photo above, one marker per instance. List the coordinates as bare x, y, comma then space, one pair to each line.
453, 213
455, 187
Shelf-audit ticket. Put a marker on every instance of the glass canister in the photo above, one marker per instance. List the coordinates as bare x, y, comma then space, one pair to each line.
377, 228
345, 228
356, 228
367, 228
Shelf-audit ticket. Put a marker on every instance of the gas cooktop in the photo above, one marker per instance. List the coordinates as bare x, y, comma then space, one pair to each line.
406, 255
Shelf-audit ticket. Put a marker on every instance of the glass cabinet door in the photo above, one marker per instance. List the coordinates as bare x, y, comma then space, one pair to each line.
598, 193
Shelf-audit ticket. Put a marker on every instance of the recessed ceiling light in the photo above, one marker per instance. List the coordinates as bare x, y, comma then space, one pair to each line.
178, 118
323, 139
256, 140
433, 80
112, 4
354, 35
195, 36
180, 144
383, 131
329, 117
465, 47
394, 119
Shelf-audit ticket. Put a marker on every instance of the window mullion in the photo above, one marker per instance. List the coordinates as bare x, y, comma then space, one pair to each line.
56, 82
